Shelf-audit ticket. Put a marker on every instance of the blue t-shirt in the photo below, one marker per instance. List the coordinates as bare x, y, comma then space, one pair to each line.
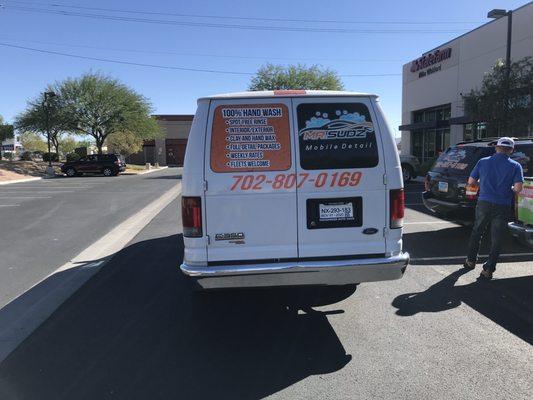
496, 175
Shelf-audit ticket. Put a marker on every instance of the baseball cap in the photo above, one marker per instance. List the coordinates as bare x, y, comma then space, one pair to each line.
505, 142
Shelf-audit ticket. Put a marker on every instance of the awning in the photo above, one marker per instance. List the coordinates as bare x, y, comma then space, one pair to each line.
465, 119
425, 125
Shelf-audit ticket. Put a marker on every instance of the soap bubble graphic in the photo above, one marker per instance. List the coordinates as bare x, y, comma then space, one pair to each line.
318, 113
353, 117
337, 113
316, 122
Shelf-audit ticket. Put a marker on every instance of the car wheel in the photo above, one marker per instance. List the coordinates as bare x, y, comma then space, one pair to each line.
407, 173
107, 171
70, 172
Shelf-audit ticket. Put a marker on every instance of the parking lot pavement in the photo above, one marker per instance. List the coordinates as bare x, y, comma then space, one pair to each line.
137, 331
46, 223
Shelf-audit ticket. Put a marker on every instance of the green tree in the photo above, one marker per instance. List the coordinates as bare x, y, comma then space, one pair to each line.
68, 144
504, 104
100, 106
6, 132
41, 117
125, 143
31, 141
277, 77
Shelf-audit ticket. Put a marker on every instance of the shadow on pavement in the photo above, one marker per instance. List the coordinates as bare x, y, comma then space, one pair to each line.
505, 301
137, 331
453, 242
177, 176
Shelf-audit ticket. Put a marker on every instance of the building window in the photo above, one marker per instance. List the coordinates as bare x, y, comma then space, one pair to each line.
428, 143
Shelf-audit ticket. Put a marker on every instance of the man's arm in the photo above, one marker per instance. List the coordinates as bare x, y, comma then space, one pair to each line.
517, 187
474, 175
518, 179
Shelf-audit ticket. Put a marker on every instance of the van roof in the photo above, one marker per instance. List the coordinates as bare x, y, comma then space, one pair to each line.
288, 93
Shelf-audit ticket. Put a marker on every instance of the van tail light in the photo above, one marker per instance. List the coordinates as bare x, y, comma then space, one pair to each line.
397, 208
427, 186
471, 192
191, 216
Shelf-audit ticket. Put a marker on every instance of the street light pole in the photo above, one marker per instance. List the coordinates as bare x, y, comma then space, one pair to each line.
499, 13
46, 107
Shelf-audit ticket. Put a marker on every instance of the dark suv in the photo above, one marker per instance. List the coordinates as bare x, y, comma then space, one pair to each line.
106, 164
445, 183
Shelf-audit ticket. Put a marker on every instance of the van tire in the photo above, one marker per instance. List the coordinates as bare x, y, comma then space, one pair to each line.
407, 172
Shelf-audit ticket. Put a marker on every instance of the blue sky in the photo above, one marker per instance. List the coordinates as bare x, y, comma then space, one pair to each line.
354, 50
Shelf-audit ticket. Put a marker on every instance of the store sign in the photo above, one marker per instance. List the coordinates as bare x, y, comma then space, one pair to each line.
428, 62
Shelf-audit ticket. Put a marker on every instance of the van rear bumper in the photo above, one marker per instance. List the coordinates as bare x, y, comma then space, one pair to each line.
333, 272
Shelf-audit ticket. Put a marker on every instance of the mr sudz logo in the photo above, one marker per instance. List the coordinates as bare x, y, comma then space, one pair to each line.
338, 130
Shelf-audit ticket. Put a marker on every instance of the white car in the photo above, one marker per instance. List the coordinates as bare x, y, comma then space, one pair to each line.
295, 187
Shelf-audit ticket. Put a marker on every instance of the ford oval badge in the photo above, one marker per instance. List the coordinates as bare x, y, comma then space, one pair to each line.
370, 231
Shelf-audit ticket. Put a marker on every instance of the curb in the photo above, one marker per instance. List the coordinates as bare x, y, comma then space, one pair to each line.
24, 314
149, 171
21, 180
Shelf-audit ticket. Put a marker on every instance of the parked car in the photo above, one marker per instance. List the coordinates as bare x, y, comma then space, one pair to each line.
446, 192
522, 227
105, 164
269, 202
410, 167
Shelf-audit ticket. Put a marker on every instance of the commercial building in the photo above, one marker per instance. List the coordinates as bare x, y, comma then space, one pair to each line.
433, 85
170, 148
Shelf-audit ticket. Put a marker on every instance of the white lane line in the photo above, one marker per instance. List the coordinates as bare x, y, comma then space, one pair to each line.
20, 317
25, 197
38, 191
9, 205
47, 187
429, 222
464, 256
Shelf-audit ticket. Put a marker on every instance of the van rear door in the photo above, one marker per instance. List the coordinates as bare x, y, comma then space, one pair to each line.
250, 201
341, 194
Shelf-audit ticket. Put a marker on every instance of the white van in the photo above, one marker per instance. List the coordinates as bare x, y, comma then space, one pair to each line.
292, 187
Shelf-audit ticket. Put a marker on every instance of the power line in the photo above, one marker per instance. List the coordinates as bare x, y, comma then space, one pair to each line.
225, 26
171, 67
197, 54
129, 11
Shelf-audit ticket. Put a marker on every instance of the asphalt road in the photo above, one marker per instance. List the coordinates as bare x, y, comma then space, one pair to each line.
46, 223
137, 331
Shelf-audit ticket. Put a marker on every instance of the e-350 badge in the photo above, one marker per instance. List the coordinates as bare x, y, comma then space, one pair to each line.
231, 236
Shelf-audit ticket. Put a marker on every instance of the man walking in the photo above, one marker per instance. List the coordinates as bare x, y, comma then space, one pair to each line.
498, 177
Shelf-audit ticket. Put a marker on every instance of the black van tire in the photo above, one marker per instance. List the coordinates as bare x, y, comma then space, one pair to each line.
407, 172
70, 172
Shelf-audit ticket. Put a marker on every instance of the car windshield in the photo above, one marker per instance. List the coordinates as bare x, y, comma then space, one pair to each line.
459, 160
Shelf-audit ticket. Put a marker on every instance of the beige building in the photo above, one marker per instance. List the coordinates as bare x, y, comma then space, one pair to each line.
170, 148
433, 84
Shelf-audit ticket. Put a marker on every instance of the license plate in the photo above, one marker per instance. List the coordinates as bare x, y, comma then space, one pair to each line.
336, 212
443, 186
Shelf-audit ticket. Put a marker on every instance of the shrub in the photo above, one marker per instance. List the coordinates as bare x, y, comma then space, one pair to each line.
50, 157
73, 157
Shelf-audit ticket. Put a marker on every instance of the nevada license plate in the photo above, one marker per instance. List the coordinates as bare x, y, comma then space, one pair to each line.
335, 212
443, 186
